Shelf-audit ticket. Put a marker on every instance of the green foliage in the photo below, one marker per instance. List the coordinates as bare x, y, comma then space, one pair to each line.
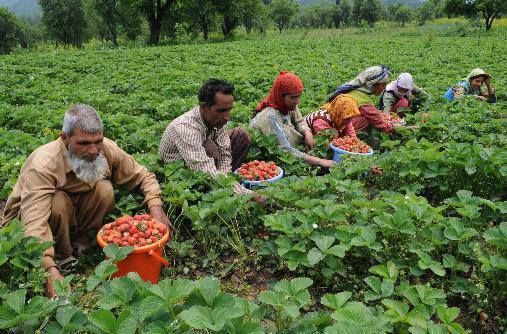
12, 32
282, 12
64, 21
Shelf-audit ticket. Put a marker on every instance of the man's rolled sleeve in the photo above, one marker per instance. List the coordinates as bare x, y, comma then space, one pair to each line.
35, 209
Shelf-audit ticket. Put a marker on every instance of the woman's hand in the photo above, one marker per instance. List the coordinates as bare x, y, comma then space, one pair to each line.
326, 163
309, 141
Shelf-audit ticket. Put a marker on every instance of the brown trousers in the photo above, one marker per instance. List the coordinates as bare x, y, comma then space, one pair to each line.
240, 143
76, 218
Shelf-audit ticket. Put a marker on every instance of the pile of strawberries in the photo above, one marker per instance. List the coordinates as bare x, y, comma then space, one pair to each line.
258, 170
137, 231
392, 118
351, 144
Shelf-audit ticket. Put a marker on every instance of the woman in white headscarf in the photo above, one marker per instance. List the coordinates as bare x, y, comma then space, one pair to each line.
351, 107
402, 93
472, 85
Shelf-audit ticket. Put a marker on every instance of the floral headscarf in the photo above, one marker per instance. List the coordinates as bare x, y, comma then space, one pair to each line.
365, 80
285, 83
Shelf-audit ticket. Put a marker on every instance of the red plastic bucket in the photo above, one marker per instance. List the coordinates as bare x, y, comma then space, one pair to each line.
146, 260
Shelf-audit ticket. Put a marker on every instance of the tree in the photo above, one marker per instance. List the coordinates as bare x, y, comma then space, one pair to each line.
403, 15
108, 10
282, 12
157, 14
424, 13
200, 13
64, 21
252, 12
341, 13
230, 10
368, 10
488, 9
12, 31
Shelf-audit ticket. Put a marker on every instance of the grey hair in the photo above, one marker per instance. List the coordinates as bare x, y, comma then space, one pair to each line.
83, 117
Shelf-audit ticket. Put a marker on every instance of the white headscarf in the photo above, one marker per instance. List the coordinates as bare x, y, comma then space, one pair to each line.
404, 81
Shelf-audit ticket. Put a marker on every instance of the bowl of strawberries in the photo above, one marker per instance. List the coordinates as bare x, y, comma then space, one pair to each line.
258, 173
349, 145
146, 235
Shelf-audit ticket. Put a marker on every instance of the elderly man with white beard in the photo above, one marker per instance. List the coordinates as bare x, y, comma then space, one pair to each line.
64, 189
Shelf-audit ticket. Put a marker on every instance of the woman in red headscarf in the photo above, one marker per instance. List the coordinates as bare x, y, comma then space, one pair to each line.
279, 114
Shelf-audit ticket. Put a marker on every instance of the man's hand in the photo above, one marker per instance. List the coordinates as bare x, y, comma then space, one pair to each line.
54, 274
158, 213
309, 141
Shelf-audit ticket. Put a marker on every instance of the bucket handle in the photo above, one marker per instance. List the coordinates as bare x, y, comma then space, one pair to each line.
163, 261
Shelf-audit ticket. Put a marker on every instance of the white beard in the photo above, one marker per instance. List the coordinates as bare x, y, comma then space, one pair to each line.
88, 171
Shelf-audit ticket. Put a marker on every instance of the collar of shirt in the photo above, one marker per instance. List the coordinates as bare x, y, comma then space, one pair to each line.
63, 149
206, 130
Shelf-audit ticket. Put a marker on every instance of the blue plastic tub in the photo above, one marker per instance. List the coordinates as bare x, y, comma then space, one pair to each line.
337, 153
250, 184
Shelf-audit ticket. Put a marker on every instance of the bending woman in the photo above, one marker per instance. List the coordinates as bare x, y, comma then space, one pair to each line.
472, 86
279, 114
351, 107
402, 93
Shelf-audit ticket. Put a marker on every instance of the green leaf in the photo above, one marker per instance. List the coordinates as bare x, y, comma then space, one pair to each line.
388, 270
149, 306
498, 262
105, 269
126, 323
323, 242
374, 283
8, 318
447, 315
200, 317
457, 231
337, 250
103, 319
116, 253
124, 288
271, 298
16, 300
315, 256
209, 287
396, 310
300, 283
497, 236
173, 291
337, 300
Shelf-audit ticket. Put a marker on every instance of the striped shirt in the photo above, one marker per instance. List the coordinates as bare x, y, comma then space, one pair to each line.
183, 140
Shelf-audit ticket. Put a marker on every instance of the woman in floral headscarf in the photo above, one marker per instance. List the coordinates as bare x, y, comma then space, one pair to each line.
472, 85
351, 108
279, 114
402, 93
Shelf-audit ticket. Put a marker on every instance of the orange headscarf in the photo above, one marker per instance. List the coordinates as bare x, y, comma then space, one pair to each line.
341, 108
285, 83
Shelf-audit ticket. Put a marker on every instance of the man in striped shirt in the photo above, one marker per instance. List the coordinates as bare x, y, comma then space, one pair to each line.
199, 136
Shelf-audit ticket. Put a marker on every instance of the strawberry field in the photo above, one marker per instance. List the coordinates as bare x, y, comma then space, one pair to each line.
410, 240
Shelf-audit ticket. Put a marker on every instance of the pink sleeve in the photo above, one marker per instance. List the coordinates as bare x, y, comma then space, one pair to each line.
375, 118
349, 130
320, 124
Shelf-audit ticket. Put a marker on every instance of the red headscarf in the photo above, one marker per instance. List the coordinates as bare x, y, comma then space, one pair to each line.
285, 83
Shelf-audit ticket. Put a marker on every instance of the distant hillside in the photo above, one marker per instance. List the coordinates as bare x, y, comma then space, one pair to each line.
25, 8
410, 3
